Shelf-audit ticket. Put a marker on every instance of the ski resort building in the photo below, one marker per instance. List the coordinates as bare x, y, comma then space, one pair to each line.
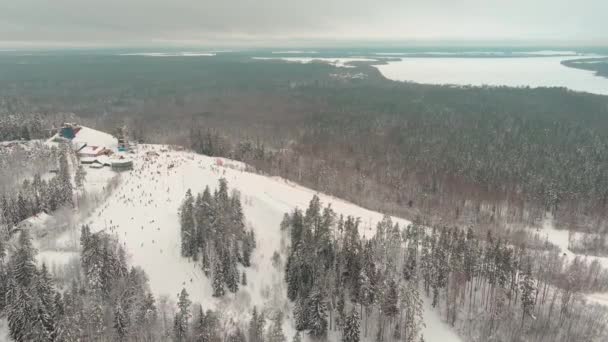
122, 164
69, 130
93, 151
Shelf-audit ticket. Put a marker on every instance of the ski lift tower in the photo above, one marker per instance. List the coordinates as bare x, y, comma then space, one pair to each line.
123, 139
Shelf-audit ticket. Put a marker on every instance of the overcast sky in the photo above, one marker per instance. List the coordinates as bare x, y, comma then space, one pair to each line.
290, 22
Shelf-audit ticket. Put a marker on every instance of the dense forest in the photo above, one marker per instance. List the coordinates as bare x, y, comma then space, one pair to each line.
459, 154
488, 289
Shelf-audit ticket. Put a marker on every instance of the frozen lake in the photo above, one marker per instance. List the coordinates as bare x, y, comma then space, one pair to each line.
513, 72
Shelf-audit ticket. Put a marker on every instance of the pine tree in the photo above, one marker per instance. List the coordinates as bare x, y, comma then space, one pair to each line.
247, 249
25, 311
95, 316
120, 323
183, 305
300, 313
3, 285
232, 275
528, 293
20, 311
221, 196
218, 281
22, 264
389, 302
317, 315
23, 211
46, 298
412, 310
297, 228
352, 327
187, 226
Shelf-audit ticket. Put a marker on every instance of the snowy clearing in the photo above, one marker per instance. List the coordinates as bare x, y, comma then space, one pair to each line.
338, 62
561, 238
170, 54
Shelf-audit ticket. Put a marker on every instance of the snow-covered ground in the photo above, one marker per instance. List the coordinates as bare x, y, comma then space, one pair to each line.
339, 62
561, 238
294, 52
143, 213
3, 330
513, 72
598, 298
170, 54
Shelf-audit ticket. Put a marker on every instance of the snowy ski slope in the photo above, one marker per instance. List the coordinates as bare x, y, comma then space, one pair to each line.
143, 214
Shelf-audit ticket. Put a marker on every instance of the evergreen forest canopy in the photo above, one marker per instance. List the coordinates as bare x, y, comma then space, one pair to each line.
473, 155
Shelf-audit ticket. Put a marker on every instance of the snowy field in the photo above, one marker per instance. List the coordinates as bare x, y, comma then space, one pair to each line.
170, 54
513, 72
3, 330
561, 238
339, 62
143, 213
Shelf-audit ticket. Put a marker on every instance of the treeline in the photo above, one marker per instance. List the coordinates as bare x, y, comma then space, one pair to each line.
213, 231
24, 159
22, 127
490, 290
597, 65
37, 195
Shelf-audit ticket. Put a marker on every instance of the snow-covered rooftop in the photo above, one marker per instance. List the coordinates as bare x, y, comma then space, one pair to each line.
94, 137
91, 150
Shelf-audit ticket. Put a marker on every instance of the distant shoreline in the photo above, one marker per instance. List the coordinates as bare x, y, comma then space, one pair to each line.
599, 65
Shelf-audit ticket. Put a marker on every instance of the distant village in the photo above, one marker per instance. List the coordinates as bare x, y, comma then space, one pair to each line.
98, 149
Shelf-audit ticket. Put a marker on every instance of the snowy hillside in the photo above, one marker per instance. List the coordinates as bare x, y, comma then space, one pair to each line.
143, 214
